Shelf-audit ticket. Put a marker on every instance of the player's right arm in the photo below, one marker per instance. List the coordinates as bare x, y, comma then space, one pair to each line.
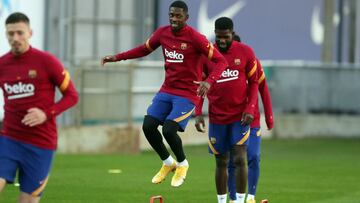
143, 50
212, 54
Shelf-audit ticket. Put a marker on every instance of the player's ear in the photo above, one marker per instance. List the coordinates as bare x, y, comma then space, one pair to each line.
187, 17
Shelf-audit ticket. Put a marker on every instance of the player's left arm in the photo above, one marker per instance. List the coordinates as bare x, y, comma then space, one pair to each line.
61, 78
252, 78
265, 97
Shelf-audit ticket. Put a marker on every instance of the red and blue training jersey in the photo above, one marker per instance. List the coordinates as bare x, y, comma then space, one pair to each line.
182, 53
28, 81
236, 90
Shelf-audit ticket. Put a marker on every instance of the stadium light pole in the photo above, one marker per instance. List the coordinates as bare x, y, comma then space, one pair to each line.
327, 48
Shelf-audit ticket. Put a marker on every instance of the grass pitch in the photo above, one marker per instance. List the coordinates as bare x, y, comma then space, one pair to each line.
296, 171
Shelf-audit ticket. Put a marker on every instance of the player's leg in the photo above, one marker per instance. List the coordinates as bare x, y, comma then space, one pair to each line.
8, 161
2, 184
221, 176
231, 179
156, 115
26, 198
240, 135
177, 120
253, 154
219, 146
34, 171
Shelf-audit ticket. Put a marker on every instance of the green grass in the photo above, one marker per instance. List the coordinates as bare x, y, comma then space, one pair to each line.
299, 171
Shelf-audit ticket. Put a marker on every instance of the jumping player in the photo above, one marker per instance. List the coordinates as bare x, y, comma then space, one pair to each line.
173, 105
232, 102
28, 78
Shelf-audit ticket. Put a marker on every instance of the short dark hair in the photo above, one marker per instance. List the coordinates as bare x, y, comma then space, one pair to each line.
236, 38
17, 17
224, 23
179, 4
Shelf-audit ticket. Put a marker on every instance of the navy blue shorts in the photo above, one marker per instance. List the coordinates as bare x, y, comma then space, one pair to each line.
223, 136
32, 163
170, 107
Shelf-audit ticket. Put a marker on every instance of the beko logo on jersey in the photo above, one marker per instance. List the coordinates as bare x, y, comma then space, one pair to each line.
228, 75
19, 90
174, 56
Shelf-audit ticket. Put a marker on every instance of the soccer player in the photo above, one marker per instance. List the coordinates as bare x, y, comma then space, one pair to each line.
232, 102
28, 78
253, 150
173, 105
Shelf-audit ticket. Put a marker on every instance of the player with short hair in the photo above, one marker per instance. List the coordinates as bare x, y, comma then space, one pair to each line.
253, 149
231, 108
173, 105
28, 78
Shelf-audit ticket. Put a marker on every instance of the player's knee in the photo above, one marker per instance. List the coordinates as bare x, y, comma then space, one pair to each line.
170, 129
253, 157
150, 124
239, 160
221, 161
27, 198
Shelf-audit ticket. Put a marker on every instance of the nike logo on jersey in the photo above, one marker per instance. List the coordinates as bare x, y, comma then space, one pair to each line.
204, 22
19, 90
228, 75
173, 56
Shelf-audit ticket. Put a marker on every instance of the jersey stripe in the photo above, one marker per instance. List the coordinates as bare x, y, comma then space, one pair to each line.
148, 45
65, 82
253, 70
211, 51
183, 117
262, 77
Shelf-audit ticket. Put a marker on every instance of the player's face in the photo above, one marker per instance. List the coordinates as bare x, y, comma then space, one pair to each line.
177, 18
223, 39
18, 35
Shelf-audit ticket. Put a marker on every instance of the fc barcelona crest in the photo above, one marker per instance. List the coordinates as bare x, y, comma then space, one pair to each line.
183, 46
237, 62
32, 73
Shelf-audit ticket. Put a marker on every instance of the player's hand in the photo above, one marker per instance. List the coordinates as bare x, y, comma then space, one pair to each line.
34, 117
203, 88
109, 58
270, 122
247, 119
200, 124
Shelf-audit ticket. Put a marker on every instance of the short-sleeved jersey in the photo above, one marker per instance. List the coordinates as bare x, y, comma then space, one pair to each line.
182, 52
236, 90
28, 81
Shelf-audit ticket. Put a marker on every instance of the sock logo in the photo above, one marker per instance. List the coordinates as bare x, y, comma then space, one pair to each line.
19, 90
173, 56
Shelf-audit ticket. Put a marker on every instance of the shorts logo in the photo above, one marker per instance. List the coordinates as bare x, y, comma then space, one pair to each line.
212, 140
173, 56
32, 73
237, 61
19, 90
183, 46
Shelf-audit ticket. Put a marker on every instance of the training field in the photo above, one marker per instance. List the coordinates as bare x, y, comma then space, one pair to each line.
293, 171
